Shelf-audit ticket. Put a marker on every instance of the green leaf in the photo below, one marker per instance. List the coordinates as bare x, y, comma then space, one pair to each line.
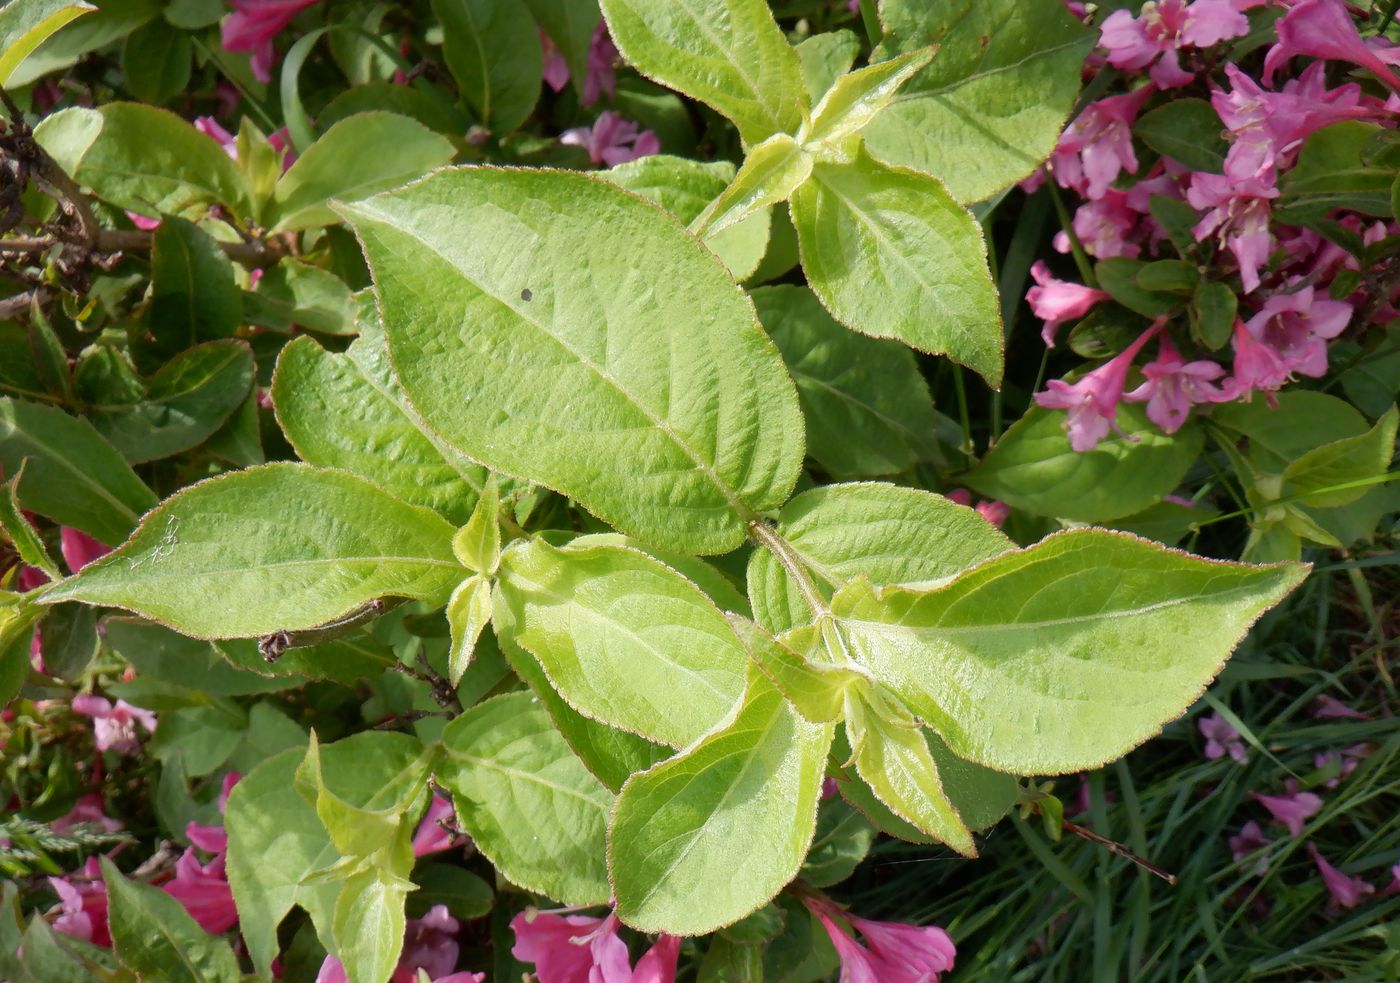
857, 97
157, 939
892, 255
729, 54
1033, 467
991, 105
114, 20
357, 157
1350, 459
368, 925
27, 544
193, 294
1120, 277
465, 895
478, 543
716, 585
843, 839
1300, 421
825, 58
888, 534
1089, 642
346, 411
296, 293
685, 188
392, 776
468, 613
570, 25
771, 172
144, 159
72, 474
748, 790
817, 691
1213, 314
980, 795
156, 61
184, 403
17, 619
492, 49
281, 547
1333, 172
1187, 130
26, 24
571, 369
624, 639
866, 404
530, 806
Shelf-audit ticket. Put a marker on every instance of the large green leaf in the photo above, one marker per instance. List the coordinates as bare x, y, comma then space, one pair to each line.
283, 546
990, 106
155, 937
355, 158
71, 474
143, 158
545, 323
892, 255
624, 639
26, 24
888, 534
193, 294
338, 412
1316, 473
729, 54
856, 98
711, 835
1032, 467
1333, 171
492, 49
530, 806
1062, 656
866, 404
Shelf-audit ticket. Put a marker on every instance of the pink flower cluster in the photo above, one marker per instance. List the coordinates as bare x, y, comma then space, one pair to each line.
253, 25
892, 952
1288, 316
585, 949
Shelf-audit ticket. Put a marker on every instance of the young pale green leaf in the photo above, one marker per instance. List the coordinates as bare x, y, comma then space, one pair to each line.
17, 619
893, 758
892, 255
817, 691
625, 639
685, 188
530, 806
857, 97
729, 54
401, 769
155, 937
610, 754
885, 533
748, 790
866, 404
825, 58
184, 403
339, 412
542, 323
468, 613
1314, 474
492, 49
478, 543
337, 166
144, 159
716, 585
28, 545
26, 24
368, 924
570, 25
193, 294
71, 474
991, 105
1032, 467
772, 171
1062, 656
280, 547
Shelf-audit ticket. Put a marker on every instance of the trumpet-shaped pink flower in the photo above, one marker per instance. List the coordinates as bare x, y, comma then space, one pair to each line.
252, 26
114, 725
1298, 326
1161, 29
1247, 842
612, 140
1291, 810
1237, 212
601, 74
1104, 226
583, 949
1092, 401
1325, 707
1324, 29
89, 809
203, 888
555, 72
82, 905
430, 945
1099, 144
1257, 365
993, 511
1057, 301
431, 837
79, 549
893, 952
1348, 892
1221, 738
1173, 386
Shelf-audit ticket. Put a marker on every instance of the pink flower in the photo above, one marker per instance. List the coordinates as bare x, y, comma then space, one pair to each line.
1057, 301
252, 26
1162, 28
1237, 211
1103, 227
88, 809
582, 949
960, 496
203, 888
114, 726
1257, 365
142, 222
1345, 761
1092, 401
79, 549
211, 128
1099, 144
82, 905
612, 140
556, 69
1298, 326
1324, 29
1247, 842
1221, 738
993, 511
431, 837
1325, 707
429, 944
1346, 891
1292, 810
893, 952
601, 77
1173, 386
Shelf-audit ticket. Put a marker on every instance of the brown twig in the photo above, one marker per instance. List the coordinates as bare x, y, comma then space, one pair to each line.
1113, 846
